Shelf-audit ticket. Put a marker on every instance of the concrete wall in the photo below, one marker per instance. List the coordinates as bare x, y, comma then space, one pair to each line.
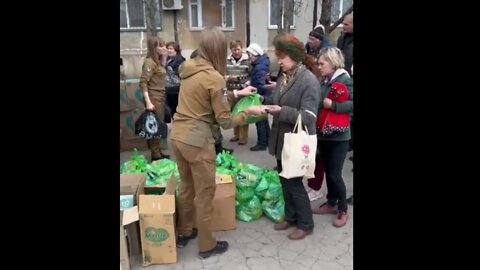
133, 44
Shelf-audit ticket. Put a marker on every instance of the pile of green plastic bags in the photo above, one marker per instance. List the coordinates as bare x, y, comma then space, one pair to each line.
258, 190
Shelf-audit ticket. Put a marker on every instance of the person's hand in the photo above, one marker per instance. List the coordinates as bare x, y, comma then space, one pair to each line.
271, 85
272, 108
247, 91
150, 106
256, 110
327, 103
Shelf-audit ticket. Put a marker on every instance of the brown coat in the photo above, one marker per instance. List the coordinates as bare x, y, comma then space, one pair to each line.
202, 102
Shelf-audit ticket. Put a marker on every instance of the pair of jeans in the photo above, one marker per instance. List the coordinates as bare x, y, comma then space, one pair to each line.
263, 132
334, 153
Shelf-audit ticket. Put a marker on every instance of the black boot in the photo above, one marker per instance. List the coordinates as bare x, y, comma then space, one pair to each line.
220, 248
258, 148
160, 157
219, 149
182, 240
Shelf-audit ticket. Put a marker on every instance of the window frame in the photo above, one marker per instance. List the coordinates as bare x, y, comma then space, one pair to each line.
136, 28
200, 26
275, 26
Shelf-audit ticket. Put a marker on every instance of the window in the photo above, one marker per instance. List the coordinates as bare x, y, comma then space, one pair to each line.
272, 14
132, 15
338, 8
213, 13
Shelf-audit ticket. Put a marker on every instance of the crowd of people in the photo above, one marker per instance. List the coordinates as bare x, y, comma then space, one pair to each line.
315, 81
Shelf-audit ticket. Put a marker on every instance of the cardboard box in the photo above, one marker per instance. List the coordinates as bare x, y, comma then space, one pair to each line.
157, 225
223, 216
130, 184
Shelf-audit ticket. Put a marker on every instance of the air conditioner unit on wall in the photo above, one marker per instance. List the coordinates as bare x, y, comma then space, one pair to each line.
172, 4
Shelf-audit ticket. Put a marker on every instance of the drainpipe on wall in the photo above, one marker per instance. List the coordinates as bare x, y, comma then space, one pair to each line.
141, 43
247, 7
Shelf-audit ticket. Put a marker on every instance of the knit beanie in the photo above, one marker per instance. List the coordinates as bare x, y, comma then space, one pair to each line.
317, 32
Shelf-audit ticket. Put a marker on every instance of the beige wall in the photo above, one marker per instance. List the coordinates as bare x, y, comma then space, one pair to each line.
133, 44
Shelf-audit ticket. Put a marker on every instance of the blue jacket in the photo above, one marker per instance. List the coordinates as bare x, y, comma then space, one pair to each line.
259, 74
314, 52
175, 62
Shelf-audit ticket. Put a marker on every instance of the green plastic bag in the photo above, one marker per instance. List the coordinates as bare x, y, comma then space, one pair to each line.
249, 211
244, 194
226, 160
248, 175
262, 187
246, 102
159, 171
135, 164
274, 190
274, 209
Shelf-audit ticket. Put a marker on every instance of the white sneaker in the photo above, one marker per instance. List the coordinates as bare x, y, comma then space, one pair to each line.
314, 194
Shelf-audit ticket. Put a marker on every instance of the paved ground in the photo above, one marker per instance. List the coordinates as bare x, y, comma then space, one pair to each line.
256, 246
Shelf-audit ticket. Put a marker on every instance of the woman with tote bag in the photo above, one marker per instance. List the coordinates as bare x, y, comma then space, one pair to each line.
296, 96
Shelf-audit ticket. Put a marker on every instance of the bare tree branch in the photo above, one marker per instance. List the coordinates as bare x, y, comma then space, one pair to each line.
339, 21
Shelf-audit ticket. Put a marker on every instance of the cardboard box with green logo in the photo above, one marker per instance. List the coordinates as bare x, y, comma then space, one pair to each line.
130, 187
157, 224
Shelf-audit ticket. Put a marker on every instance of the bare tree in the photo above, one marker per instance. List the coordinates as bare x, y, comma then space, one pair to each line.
279, 16
284, 15
325, 17
339, 21
287, 14
150, 10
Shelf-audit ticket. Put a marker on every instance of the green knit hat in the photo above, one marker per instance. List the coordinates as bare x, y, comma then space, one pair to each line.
290, 45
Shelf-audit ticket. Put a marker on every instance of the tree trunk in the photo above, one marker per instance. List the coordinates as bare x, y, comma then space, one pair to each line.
325, 17
279, 16
287, 14
315, 10
150, 10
